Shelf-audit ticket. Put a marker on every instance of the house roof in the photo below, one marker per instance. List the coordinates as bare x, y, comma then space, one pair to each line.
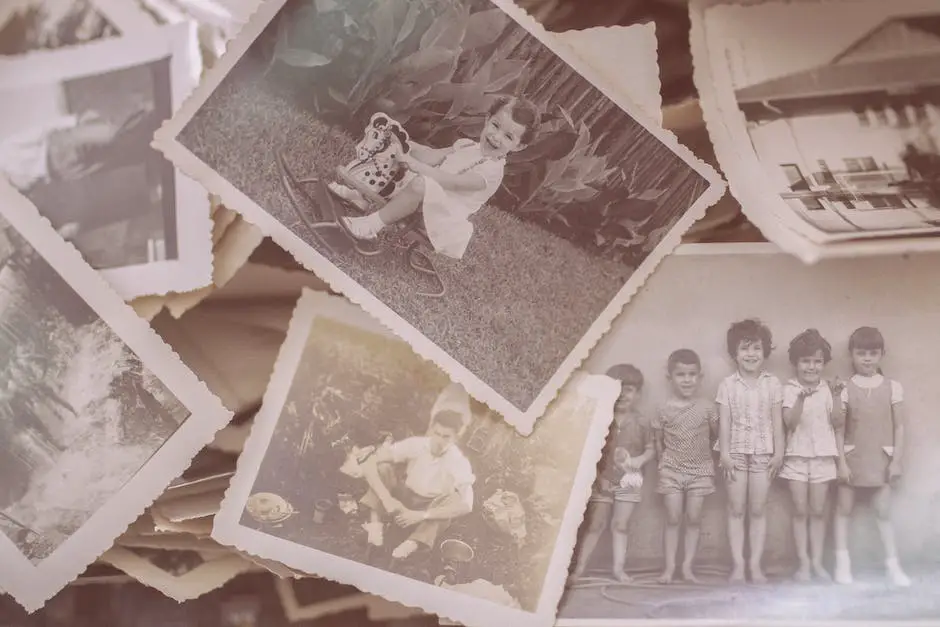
852, 73
848, 78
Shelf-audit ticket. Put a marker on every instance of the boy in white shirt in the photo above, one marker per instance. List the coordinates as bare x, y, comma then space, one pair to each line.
435, 488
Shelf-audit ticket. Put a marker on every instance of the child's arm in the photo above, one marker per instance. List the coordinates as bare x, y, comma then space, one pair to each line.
466, 182
899, 416
659, 442
838, 427
724, 440
431, 156
793, 414
370, 472
776, 414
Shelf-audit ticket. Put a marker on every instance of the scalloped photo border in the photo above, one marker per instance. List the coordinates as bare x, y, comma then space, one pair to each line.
522, 418
449, 604
193, 266
30, 584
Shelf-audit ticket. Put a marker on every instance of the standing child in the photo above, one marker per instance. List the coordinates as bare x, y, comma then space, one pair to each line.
453, 183
814, 442
750, 440
620, 475
874, 449
683, 431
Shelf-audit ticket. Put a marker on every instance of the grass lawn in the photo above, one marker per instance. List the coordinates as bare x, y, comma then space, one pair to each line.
517, 303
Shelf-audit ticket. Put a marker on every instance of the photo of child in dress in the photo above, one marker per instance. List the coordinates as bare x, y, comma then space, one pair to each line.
451, 184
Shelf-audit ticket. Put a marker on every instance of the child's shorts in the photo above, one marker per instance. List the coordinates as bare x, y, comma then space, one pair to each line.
751, 462
808, 469
675, 482
609, 492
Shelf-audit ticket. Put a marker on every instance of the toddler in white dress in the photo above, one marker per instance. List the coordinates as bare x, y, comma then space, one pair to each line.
453, 183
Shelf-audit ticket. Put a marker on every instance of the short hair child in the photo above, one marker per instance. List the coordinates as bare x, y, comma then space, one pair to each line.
751, 443
522, 112
683, 430
814, 444
620, 478
875, 444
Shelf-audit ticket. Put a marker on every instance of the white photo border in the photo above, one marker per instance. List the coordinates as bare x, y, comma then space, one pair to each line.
31, 585
472, 611
192, 269
522, 419
725, 124
217, 571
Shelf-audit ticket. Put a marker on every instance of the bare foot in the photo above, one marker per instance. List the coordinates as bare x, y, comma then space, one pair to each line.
821, 573
666, 577
621, 576
576, 574
803, 574
688, 575
737, 574
757, 575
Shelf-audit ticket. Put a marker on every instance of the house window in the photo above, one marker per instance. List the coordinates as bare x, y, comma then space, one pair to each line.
861, 164
904, 120
812, 204
862, 115
795, 177
920, 113
878, 202
881, 117
824, 176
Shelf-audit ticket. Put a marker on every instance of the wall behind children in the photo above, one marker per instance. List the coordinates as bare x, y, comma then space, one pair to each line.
691, 301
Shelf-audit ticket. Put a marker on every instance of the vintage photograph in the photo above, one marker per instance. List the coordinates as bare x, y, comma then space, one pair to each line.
380, 473
90, 403
454, 169
27, 25
75, 138
180, 575
775, 460
844, 128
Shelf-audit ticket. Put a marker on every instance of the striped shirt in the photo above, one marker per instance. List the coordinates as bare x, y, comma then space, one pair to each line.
751, 405
687, 437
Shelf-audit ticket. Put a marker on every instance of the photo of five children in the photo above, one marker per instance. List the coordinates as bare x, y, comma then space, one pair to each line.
810, 431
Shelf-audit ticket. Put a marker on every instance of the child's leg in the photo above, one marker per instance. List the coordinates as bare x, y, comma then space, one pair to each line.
673, 504
882, 505
840, 531
405, 203
758, 483
737, 502
818, 495
619, 528
799, 492
693, 526
598, 513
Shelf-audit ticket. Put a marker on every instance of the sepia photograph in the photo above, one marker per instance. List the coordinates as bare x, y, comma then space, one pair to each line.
773, 451
75, 139
380, 473
95, 410
454, 169
180, 575
837, 139
27, 25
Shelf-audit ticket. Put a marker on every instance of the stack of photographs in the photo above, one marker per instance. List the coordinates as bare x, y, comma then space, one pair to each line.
378, 312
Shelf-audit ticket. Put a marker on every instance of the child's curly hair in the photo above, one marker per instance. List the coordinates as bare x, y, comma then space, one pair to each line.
523, 112
806, 344
749, 331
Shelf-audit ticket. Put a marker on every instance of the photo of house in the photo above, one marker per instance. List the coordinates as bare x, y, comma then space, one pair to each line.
853, 144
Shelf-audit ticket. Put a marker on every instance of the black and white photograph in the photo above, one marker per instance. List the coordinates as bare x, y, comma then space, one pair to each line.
773, 454
75, 138
836, 139
95, 410
180, 575
452, 168
381, 473
27, 25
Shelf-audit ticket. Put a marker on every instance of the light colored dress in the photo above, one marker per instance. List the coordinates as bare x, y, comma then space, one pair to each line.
447, 212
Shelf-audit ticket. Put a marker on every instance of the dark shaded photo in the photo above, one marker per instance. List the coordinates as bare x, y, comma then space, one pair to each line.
447, 160
79, 413
51, 24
